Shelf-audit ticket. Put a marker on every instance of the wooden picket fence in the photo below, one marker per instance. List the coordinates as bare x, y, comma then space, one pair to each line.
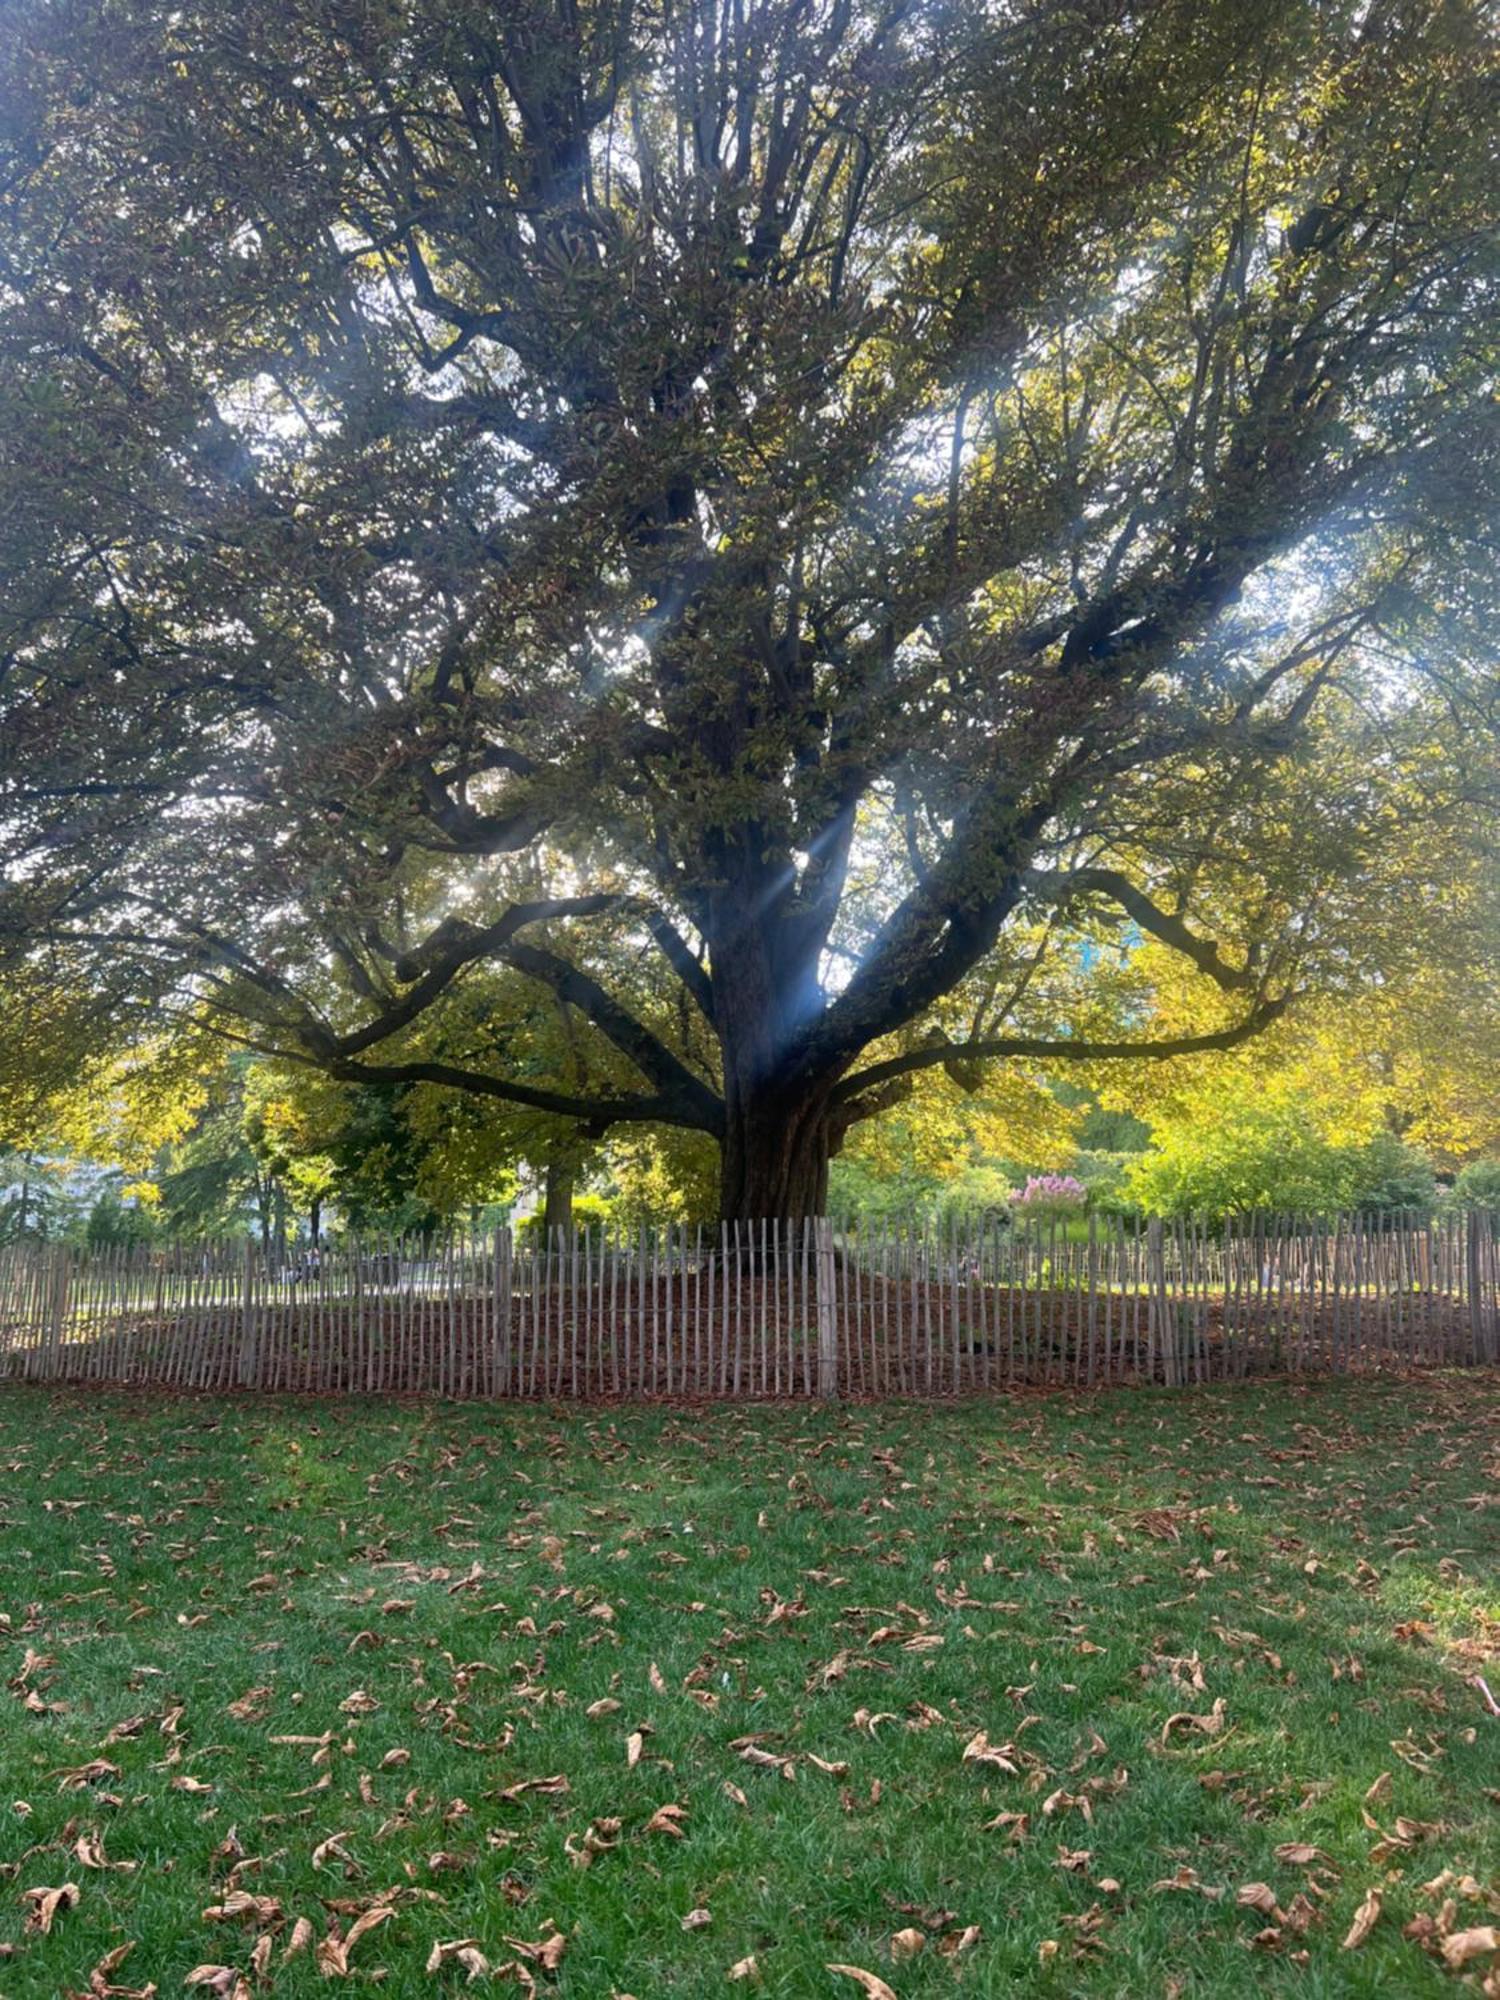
761, 1310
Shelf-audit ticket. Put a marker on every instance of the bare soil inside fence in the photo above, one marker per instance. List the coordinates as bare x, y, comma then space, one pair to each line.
893, 1337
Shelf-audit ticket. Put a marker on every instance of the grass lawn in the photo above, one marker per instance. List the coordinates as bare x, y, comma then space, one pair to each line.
1009, 1694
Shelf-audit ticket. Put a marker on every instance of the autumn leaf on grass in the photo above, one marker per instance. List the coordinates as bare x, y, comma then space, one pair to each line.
463, 1952
906, 1944
547, 1952
1188, 1880
223, 1980
46, 1904
956, 1943
334, 1952
871, 1982
89, 1849
101, 1979
835, 1769
1211, 1724
1302, 1854
251, 1705
85, 1774
545, 1786
600, 1836
241, 1907
1259, 1896
751, 1753
744, 1968
1464, 1945
666, 1820
1364, 1920
980, 1750
333, 1849
1064, 1801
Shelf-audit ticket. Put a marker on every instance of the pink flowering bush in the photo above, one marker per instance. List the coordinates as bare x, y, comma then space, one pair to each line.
1049, 1194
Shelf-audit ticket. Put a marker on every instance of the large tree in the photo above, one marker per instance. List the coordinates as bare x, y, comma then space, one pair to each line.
757, 520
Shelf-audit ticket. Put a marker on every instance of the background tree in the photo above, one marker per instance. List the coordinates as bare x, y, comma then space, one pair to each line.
764, 522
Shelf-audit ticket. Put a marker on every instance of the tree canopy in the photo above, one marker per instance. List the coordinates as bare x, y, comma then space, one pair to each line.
682, 562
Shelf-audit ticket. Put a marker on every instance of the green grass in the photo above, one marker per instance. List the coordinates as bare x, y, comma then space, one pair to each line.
1055, 1572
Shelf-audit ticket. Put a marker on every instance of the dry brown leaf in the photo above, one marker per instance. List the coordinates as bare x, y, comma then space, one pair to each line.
1258, 1896
744, 1968
871, 1982
333, 1849
1302, 1854
547, 1952
599, 1837
46, 1904
635, 1743
85, 1774
545, 1787
768, 1760
394, 1759
1211, 1724
1464, 1945
697, 1920
1188, 1880
980, 1750
665, 1820
1365, 1918
363, 1925
956, 1943
89, 1849
251, 1705
225, 1980
239, 1906
464, 1952
906, 1944
301, 1937
606, 1705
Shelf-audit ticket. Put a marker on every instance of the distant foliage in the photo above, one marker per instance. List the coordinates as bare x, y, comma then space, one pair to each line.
1478, 1186
1274, 1158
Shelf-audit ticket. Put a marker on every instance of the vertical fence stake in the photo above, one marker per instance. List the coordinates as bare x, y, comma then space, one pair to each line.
828, 1319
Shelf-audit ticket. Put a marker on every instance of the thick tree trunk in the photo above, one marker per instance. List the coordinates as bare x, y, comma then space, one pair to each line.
780, 1130
774, 1158
557, 1201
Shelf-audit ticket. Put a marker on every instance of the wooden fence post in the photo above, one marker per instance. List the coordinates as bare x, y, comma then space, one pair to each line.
828, 1322
504, 1280
1161, 1318
249, 1369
